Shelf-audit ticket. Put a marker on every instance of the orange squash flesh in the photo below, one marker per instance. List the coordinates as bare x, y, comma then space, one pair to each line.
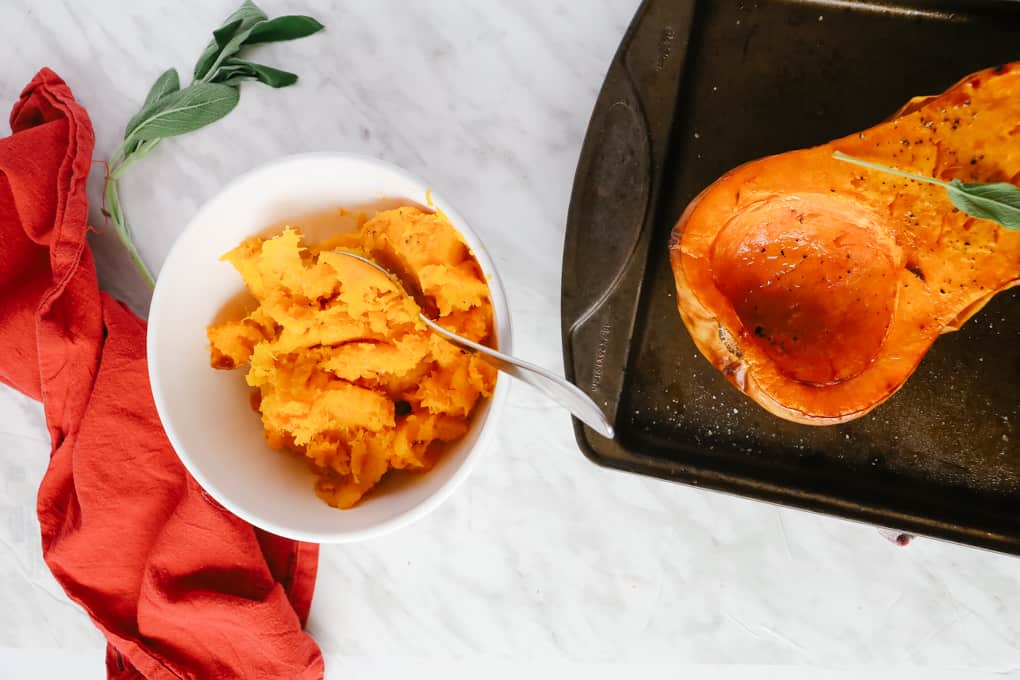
817, 286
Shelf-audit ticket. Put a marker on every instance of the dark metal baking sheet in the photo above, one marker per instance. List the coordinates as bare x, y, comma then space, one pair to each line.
697, 88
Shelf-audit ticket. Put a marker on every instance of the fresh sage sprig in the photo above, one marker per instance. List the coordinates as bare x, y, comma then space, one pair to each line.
170, 110
998, 202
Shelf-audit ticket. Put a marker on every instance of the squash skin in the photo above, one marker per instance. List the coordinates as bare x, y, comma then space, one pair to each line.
813, 341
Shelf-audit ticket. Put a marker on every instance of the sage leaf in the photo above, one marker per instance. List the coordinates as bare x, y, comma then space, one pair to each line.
186, 110
998, 202
273, 77
213, 93
288, 27
226, 73
235, 71
221, 36
227, 39
168, 82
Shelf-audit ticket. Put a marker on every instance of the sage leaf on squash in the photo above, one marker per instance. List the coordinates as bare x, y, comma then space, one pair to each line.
998, 202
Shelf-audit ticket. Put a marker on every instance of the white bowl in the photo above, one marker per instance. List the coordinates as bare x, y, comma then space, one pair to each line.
206, 413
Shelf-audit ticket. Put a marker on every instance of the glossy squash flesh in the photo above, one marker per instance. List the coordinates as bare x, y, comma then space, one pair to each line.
817, 286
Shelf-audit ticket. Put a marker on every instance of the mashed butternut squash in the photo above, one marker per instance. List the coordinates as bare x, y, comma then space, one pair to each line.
342, 369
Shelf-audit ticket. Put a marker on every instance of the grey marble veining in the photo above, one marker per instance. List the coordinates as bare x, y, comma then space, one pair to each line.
540, 556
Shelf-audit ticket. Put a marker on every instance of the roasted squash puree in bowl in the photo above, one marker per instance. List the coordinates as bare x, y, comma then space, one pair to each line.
341, 368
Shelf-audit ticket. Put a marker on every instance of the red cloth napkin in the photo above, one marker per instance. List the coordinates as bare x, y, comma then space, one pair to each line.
178, 585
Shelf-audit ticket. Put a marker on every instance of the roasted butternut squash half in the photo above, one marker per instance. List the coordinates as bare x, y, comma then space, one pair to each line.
817, 286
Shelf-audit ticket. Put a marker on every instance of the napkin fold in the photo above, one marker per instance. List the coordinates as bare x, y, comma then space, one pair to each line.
180, 587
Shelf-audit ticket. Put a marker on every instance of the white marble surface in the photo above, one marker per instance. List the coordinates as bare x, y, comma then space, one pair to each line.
541, 558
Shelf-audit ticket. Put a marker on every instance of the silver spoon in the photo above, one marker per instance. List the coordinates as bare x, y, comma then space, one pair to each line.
566, 394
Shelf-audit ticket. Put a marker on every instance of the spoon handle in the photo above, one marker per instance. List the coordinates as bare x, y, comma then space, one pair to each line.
566, 394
